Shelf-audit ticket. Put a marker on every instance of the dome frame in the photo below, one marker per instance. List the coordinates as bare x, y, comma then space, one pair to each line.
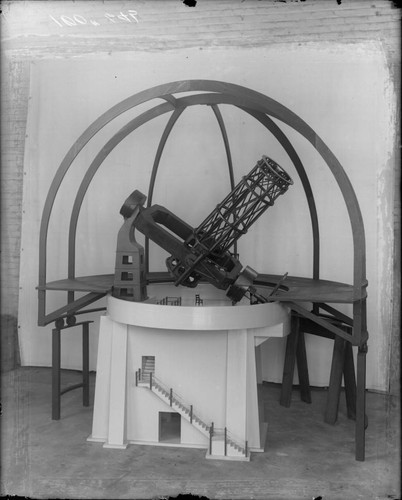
260, 106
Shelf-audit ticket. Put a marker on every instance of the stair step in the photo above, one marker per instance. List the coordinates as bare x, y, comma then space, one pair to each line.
218, 449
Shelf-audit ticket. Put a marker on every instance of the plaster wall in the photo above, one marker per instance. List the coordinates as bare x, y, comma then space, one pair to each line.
193, 364
343, 92
143, 409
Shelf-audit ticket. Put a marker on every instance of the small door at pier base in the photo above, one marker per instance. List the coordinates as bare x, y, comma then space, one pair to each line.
169, 427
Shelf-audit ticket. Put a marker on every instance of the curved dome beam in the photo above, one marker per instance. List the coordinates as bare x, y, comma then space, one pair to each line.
96, 163
225, 138
290, 150
166, 134
276, 110
161, 146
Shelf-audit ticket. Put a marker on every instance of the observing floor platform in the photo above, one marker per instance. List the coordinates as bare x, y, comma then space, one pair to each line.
303, 458
293, 288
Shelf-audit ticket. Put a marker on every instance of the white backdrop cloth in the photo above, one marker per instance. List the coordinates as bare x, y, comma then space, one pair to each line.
343, 92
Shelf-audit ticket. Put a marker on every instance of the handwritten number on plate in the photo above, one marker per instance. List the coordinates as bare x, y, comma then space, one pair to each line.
79, 19
67, 20
123, 17
110, 17
133, 14
56, 21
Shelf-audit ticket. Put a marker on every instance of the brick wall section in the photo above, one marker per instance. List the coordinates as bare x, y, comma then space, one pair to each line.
395, 347
28, 33
14, 98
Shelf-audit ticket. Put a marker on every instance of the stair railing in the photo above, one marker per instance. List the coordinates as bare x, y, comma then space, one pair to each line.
173, 397
230, 440
237, 442
211, 433
170, 301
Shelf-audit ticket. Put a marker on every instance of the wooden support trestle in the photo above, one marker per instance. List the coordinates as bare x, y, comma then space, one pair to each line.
342, 367
57, 392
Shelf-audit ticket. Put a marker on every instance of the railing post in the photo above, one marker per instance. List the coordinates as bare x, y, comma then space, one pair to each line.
191, 414
85, 361
171, 396
136, 378
139, 374
211, 432
56, 374
226, 445
150, 381
246, 450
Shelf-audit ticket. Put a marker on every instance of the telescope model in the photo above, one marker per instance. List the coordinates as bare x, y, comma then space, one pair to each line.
202, 253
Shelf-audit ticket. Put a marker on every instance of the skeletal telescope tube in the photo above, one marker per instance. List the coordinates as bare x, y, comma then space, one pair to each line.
242, 206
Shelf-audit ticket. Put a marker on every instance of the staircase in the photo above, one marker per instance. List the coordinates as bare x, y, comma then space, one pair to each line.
148, 368
222, 445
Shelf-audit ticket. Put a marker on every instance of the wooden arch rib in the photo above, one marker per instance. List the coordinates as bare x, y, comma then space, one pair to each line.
290, 150
165, 135
251, 99
161, 146
225, 139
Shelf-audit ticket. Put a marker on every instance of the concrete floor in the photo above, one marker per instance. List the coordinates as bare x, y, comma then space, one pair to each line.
304, 458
